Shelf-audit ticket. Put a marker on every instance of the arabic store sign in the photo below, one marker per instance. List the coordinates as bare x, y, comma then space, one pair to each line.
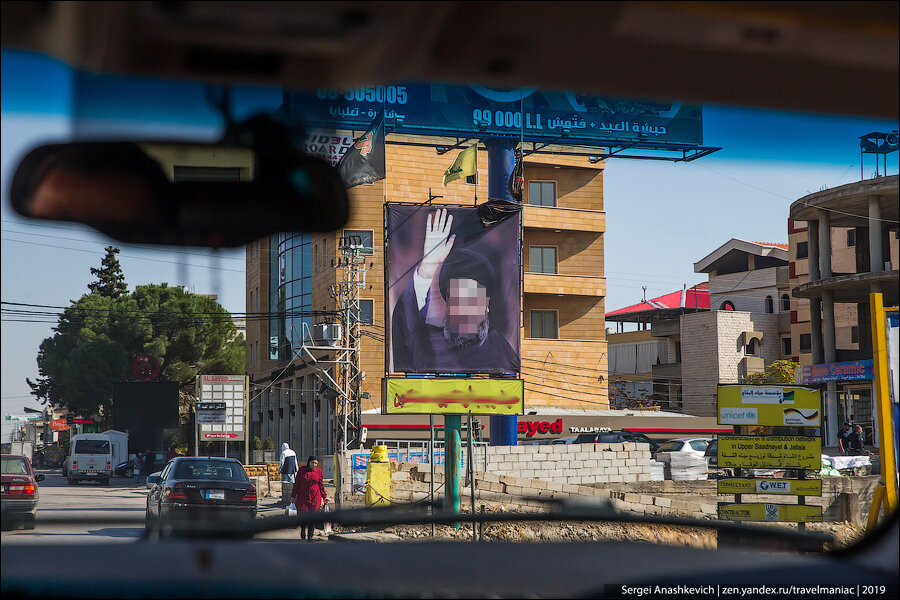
793, 487
776, 406
772, 452
855, 370
440, 109
453, 396
783, 513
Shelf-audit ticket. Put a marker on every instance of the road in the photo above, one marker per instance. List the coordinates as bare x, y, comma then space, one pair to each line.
122, 498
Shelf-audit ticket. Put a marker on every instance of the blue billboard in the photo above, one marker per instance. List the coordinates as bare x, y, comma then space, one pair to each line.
477, 111
855, 370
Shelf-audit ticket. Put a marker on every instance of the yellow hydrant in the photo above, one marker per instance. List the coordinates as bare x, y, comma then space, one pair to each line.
378, 477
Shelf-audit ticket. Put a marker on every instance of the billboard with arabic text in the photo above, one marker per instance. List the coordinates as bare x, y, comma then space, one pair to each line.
453, 396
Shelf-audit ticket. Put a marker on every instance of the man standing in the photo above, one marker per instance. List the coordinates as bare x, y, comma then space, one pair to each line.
138, 465
288, 465
844, 436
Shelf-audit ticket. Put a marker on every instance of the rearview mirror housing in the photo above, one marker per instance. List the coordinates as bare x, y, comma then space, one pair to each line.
183, 194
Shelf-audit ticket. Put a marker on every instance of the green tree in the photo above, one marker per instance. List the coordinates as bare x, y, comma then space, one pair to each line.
110, 278
98, 337
780, 371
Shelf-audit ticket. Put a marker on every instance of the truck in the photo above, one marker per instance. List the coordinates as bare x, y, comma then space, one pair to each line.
119, 445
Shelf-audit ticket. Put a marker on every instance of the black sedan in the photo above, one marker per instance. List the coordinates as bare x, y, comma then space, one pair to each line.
198, 490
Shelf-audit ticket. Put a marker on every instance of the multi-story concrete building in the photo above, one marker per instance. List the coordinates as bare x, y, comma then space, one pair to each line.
843, 247
563, 343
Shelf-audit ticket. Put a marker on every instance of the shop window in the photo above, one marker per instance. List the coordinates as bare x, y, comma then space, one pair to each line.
785, 346
770, 305
727, 305
785, 303
805, 342
542, 193
544, 324
802, 250
543, 259
366, 236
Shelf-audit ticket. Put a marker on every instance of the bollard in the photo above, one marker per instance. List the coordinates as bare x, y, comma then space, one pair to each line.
378, 477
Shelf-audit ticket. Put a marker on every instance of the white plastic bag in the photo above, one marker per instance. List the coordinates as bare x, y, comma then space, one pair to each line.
291, 510
327, 530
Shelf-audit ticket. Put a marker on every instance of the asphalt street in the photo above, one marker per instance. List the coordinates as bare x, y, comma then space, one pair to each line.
87, 501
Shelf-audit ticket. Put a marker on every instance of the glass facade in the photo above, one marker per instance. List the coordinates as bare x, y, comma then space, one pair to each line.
290, 293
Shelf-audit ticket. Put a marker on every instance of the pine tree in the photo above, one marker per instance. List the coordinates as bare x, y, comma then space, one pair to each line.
110, 279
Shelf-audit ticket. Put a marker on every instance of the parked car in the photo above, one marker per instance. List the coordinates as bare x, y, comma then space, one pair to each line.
565, 440
206, 488
696, 446
615, 437
156, 464
18, 491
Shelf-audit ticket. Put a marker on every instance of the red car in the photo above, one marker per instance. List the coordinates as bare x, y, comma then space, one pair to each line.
19, 496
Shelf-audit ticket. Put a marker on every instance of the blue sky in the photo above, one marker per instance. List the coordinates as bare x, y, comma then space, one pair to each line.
661, 217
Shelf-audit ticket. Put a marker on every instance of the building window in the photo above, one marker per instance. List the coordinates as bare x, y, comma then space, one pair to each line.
802, 250
854, 334
785, 346
366, 311
785, 303
752, 348
805, 341
366, 236
543, 259
851, 237
316, 259
542, 193
727, 305
770, 305
472, 179
544, 324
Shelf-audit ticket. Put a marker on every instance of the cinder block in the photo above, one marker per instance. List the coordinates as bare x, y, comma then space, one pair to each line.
615, 478
660, 501
622, 455
708, 509
602, 478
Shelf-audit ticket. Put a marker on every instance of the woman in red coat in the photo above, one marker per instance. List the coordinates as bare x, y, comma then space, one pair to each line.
308, 493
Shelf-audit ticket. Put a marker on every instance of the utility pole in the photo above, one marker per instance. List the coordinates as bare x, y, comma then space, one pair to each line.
349, 374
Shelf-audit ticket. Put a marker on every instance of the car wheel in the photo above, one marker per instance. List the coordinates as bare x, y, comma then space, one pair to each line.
71, 481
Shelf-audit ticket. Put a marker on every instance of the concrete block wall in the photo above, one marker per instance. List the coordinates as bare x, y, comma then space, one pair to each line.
573, 464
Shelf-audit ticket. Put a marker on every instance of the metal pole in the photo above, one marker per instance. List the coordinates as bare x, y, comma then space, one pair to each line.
431, 464
451, 463
471, 461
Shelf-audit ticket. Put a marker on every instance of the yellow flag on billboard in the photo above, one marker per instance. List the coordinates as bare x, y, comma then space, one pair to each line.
466, 164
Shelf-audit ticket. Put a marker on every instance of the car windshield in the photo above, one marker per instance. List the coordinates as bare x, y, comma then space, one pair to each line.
14, 466
91, 447
671, 446
207, 469
519, 265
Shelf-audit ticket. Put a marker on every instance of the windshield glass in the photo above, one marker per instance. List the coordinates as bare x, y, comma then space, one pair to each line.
632, 262
14, 466
91, 447
199, 469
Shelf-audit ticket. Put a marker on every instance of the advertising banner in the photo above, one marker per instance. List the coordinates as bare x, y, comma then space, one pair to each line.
793, 487
770, 452
227, 396
453, 299
454, 396
783, 513
452, 110
327, 145
855, 370
776, 406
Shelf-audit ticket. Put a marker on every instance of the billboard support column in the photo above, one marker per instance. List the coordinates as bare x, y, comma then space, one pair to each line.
452, 427
501, 162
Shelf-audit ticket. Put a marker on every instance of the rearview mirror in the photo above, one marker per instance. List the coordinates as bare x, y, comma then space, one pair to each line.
183, 194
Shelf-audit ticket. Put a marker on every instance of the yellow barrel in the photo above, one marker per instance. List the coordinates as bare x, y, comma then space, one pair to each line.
378, 478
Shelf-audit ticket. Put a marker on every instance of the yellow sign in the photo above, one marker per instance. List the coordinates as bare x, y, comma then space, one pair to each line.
453, 396
770, 452
784, 513
794, 487
774, 405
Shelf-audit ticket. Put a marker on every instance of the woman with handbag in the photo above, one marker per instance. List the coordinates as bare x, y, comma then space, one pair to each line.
308, 493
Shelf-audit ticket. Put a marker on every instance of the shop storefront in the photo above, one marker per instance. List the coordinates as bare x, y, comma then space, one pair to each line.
852, 399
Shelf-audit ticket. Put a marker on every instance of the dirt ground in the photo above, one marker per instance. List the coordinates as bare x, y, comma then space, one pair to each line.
536, 531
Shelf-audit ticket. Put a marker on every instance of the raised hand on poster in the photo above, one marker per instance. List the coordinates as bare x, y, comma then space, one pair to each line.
438, 243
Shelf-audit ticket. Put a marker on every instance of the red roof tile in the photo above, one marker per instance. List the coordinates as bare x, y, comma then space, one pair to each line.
772, 245
696, 297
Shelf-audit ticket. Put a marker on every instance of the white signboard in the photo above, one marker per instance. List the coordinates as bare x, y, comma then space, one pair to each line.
764, 395
230, 390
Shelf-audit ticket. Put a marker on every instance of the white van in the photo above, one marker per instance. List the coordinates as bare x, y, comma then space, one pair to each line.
90, 458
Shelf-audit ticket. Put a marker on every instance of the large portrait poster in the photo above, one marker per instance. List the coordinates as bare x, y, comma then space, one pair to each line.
453, 297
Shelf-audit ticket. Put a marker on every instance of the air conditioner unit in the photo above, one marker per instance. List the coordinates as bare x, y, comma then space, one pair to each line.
327, 334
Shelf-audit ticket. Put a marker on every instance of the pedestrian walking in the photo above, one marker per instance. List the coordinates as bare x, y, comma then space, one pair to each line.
138, 464
288, 466
858, 441
308, 493
844, 436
